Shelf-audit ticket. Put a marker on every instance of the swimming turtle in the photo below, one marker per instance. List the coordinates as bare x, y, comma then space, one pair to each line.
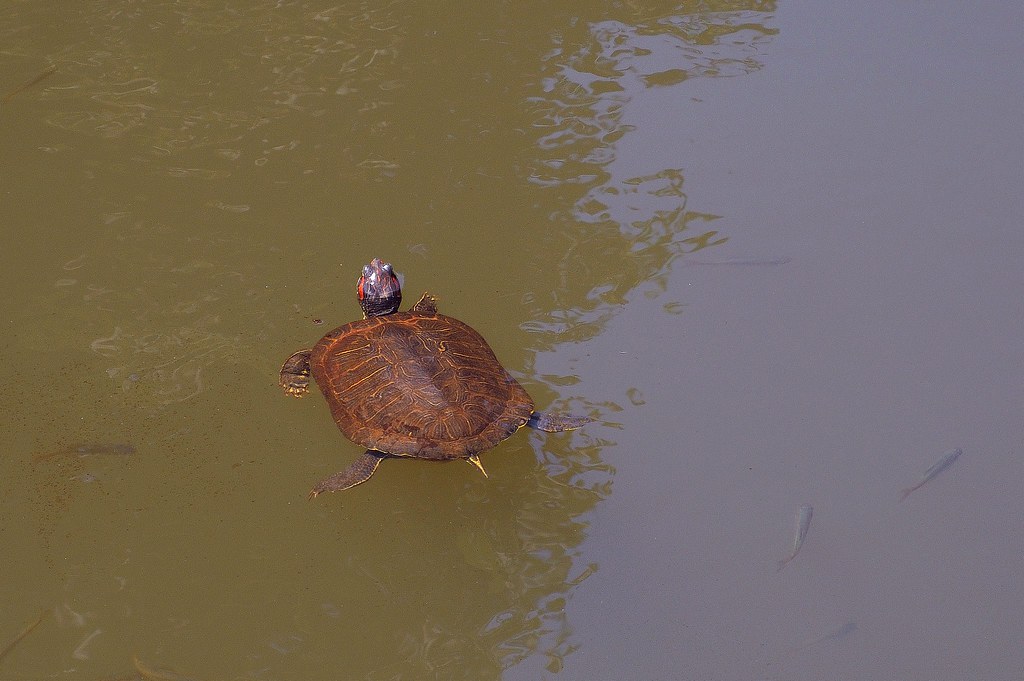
415, 384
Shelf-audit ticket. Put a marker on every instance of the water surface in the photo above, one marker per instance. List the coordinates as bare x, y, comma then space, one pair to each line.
776, 251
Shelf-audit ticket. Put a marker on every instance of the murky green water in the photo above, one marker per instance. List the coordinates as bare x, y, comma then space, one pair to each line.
775, 253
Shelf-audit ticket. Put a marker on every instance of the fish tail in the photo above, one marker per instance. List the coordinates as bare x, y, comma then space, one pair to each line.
906, 493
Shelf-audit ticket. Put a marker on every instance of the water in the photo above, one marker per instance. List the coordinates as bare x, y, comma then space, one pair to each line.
195, 185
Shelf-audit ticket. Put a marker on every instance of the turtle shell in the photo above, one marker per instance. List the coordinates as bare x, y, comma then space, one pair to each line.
418, 384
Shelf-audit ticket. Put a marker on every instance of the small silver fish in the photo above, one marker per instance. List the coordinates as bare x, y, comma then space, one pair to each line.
834, 635
841, 632
939, 466
803, 523
750, 262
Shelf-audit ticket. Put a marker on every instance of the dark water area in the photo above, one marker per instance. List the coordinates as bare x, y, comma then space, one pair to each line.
774, 249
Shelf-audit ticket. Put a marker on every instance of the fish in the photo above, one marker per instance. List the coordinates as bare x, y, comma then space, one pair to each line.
151, 674
48, 72
749, 262
26, 630
120, 448
803, 523
835, 635
936, 468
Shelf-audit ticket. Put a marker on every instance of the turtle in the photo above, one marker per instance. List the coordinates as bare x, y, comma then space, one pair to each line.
416, 384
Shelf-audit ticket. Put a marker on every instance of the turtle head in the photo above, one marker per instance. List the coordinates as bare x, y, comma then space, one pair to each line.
378, 289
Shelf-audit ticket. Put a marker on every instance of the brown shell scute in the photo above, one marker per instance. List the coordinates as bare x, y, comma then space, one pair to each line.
418, 384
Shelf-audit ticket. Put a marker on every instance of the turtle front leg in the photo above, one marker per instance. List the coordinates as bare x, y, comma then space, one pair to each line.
427, 303
295, 374
358, 472
556, 423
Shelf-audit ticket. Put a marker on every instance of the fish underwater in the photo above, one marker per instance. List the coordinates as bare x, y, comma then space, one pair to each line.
803, 524
936, 468
90, 449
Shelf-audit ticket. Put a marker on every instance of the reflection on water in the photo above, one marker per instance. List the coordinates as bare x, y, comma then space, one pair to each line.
157, 341
627, 213
531, 564
291, 64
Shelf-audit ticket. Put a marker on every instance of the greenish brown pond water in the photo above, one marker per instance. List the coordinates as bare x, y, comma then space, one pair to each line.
775, 251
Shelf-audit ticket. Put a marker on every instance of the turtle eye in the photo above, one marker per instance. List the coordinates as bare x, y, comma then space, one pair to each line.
387, 268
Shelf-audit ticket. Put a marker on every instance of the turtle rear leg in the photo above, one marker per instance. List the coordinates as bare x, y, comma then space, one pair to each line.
556, 423
475, 460
295, 374
358, 472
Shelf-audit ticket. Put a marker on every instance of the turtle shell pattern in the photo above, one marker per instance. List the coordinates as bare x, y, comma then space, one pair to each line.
418, 384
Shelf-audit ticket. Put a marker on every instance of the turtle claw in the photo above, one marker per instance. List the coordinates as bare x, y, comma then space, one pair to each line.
358, 472
295, 387
475, 460
556, 423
